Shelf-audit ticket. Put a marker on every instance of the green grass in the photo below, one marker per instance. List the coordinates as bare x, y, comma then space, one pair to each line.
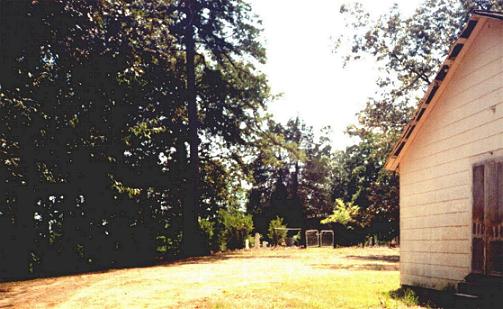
325, 278
346, 289
263, 278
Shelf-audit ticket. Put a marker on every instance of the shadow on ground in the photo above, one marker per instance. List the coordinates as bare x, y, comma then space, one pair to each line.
6, 282
366, 266
217, 257
384, 258
414, 296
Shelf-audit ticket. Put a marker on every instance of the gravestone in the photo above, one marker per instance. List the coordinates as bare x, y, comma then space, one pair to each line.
257, 241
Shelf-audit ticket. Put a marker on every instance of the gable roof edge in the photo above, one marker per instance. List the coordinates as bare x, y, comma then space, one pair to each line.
436, 88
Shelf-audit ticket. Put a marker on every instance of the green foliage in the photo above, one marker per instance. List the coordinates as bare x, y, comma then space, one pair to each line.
94, 166
406, 295
251, 239
359, 176
410, 298
344, 213
291, 175
234, 227
224, 92
208, 230
277, 233
297, 238
408, 50
164, 245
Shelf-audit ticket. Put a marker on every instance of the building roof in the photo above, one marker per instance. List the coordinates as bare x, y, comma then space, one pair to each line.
476, 20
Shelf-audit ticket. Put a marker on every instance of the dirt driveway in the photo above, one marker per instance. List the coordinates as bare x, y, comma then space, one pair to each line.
203, 282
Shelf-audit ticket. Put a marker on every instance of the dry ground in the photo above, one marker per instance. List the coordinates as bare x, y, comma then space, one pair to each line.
265, 278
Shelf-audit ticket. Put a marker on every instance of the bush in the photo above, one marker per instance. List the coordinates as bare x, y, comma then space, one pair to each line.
208, 231
406, 295
277, 234
234, 228
251, 239
297, 238
343, 214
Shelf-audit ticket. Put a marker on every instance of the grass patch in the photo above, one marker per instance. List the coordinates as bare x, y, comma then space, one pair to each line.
406, 296
263, 278
344, 289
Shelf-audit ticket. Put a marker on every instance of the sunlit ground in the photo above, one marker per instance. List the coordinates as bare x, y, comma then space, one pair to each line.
265, 278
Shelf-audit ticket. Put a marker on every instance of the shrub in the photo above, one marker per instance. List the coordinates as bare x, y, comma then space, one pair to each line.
344, 213
208, 231
234, 228
251, 239
277, 234
297, 238
405, 295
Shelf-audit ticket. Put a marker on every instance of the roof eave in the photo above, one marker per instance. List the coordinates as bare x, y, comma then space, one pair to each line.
449, 65
391, 164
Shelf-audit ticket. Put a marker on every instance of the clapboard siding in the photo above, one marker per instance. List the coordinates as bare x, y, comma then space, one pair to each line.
431, 221
435, 273
429, 183
457, 260
443, 194
456, 146
426, 281
476, 117
436, 169
436, 246
456, 205
488, 48
437, 233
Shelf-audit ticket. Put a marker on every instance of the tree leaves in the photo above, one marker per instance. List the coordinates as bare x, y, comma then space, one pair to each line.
93, 140
408, 50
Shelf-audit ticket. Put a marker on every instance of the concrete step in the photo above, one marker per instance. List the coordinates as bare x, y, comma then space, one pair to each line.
467, 301
489, 293
478, 288
484, 280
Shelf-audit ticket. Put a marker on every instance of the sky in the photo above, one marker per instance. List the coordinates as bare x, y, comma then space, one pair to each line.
302, 66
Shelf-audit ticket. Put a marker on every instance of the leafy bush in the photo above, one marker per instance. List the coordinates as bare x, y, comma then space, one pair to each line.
344, 213
277, 232
162, 245
251, 239
234, 228
410, 298
297, 238
208, 231
405, 295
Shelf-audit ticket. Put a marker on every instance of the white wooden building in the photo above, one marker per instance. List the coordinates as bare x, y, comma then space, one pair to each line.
450, 161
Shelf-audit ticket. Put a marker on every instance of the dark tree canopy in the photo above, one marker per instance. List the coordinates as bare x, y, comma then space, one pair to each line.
136, 131
291, 180
94, 134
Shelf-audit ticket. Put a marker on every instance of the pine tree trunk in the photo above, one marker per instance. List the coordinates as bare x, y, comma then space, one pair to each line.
191, 244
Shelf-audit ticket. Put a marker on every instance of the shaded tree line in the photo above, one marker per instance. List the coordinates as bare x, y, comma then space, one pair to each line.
137, 131
123, 123
291, 178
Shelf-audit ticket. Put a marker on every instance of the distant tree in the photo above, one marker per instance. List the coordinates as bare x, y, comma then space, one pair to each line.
291, 176
408, 50
277, 231
234, 228
223, 87
343, 213
316, 175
